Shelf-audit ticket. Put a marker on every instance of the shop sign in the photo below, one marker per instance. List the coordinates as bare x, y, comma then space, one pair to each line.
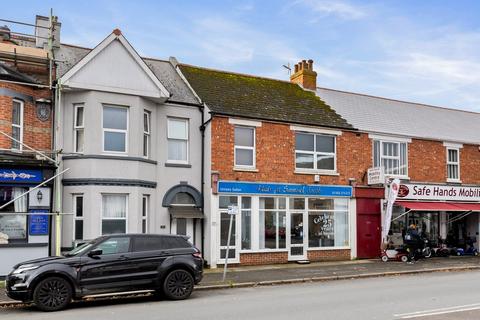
38, 223
20, 175
284, 189
438, 192
375, 176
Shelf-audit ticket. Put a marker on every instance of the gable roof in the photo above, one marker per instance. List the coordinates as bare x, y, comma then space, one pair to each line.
249, 96
114, 38
393, 117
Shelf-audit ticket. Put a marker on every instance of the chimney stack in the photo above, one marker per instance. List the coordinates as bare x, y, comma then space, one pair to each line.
304, 75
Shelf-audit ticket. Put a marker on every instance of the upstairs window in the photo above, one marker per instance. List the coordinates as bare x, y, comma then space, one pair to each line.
177, 140
453, 164
79, 128
392, 156
115, 128
146, 134
244, 147
17, 125
315, 152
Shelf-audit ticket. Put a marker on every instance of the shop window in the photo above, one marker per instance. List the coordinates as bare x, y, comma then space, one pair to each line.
177, 140
146, 134
17, 124
392, 156
78, 217
246, 223
145, 212
453, 164
315, 152
14, 226
327, 223
272, 215
79, 128
244, 147
115, 128
114, 213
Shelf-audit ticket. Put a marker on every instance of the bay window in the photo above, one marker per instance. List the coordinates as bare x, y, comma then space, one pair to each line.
272, 222
114, 213
17, 124
392, 156
244, 147
315, 152
177, 140
115, 128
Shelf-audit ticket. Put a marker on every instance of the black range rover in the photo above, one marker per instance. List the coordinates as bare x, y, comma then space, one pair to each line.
169, 265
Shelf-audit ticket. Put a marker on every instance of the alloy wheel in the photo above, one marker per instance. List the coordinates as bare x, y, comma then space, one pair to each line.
52, 294
178, 285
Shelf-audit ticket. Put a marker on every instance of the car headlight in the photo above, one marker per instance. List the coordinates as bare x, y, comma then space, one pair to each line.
25, 267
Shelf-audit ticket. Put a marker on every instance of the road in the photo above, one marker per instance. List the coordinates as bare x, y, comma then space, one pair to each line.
438, 296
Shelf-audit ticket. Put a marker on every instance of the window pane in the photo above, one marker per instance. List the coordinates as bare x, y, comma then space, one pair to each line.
281, 203
325, 143
16, 113
177, 150
146, 122
114, 206
403, 159
144, 226
325, 162
304, 160
79, 206
321, 229
145, 145
177, 129
320, 204
144, 206
246, 229
183, 198
79, 119
224, 225
244, 136
78, 229
115, 245
16, 134
304, 141
182, 226
267, 203
270, 224
226, 201
79, 140
246, 202
14, 226
376, 154
452, 155
115, 141
341, 229
243, 157
115, 118
297, 203
113, 226
282, 235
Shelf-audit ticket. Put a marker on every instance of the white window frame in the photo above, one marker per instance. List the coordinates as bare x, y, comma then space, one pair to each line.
78, 128
187, 122
276, 210
126, 195
317, 153
22, 108
115, 130
454, 164
146, 202
381, 156
146, 134
254, 148
76, 218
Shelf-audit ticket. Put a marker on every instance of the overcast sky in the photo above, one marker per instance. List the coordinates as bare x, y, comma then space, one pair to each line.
423, 51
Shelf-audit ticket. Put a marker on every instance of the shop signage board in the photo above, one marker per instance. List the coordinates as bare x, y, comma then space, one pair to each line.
20, 175
284, 189
375, 176
409, 191
38, 223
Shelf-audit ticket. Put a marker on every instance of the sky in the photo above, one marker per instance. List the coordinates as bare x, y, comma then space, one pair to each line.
422, 51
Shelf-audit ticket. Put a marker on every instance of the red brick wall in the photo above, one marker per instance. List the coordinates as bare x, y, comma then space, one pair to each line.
470, 164
36, 134
328, 255
427, 161
275, 155
252, 259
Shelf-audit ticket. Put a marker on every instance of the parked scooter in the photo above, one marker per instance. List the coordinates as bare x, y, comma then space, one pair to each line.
426, 250
398, 254
470, 251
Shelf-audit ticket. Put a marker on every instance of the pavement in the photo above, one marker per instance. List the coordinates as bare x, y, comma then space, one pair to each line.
321, 271
430, 296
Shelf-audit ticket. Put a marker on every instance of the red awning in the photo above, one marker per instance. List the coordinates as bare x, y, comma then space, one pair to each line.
439, 206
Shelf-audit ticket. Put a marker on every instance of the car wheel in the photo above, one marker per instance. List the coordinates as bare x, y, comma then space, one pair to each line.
178, 285
52, 294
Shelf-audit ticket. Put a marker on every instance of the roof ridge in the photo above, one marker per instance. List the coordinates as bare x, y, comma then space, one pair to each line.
234, 73
401, 101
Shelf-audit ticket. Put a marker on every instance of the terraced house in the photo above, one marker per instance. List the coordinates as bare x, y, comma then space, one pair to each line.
286, 160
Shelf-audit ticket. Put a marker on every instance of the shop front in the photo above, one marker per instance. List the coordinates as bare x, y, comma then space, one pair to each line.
442, 213
24, 220
277, 223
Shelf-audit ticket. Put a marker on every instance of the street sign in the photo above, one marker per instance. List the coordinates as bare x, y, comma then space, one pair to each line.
233, 210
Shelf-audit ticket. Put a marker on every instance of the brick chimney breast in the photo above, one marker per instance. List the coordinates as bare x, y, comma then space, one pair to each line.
304, 75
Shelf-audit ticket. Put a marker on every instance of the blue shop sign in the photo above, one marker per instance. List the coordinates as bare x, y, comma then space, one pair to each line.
20, 175
38, 223
284, 189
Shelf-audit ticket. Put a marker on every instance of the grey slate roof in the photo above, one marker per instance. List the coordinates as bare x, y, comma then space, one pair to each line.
387, 116
70, 55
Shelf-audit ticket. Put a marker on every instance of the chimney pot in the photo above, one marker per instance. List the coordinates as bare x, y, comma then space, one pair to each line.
310, 64
304, 75
296, 67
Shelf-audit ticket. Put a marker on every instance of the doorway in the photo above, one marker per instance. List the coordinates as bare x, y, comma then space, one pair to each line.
297, 242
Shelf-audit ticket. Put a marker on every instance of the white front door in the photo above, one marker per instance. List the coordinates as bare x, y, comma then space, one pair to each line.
296, 236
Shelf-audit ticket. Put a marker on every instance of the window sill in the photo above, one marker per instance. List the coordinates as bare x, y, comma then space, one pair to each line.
245, 169
177, 165
397, 176
315, 172
454, 181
